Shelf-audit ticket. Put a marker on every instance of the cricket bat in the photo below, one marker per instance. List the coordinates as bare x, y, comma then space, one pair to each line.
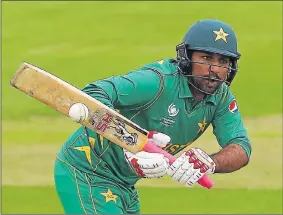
60, 95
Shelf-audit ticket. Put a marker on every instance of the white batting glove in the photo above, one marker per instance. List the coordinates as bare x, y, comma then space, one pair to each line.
191, 166
158, 139
150, 165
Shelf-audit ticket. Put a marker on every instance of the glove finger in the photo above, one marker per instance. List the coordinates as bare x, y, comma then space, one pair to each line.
148, 155
157, 175
155, 170
184, 178
151, 163
176, 165
161, 139
194, 178
187, 175
183, 170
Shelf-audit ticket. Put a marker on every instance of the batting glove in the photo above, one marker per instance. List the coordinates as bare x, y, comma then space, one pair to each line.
191, 166
150, 165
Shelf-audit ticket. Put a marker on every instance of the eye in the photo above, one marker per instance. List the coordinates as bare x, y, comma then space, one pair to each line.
207, 57
224, 61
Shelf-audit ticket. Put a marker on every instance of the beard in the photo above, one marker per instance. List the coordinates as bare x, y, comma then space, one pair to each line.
205, 84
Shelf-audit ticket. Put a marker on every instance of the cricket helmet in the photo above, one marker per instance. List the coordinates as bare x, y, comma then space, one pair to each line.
212, 36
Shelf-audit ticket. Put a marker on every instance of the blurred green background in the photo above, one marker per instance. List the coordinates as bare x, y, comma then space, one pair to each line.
84, 41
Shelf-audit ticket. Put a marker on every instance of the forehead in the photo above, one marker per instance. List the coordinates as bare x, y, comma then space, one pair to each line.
199, 53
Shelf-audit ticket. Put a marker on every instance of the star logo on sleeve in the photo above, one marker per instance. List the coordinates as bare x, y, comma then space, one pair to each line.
202, 125
221, 35
109, 196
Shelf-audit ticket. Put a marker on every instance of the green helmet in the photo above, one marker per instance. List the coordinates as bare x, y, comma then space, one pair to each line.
211, 36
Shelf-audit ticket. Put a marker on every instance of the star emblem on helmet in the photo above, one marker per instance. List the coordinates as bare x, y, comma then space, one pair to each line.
221, 35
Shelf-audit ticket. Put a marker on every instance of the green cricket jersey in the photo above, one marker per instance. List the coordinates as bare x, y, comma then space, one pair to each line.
156, 97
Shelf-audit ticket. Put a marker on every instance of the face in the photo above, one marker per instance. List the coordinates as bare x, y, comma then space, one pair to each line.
212, 68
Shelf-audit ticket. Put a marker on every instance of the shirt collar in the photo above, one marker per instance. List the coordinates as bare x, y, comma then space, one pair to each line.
211, 98
184, 90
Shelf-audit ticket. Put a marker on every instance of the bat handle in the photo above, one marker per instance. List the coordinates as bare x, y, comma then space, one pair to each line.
204, 181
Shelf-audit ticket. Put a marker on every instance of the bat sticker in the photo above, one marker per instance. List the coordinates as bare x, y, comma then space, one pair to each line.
123, 134
100, 124
103, 123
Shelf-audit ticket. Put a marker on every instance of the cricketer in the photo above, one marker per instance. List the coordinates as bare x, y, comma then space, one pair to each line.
176, 99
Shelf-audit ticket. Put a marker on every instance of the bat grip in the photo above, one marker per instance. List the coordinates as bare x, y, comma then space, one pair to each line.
204, 181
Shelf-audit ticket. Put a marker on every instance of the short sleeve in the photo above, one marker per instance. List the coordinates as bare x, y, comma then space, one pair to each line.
228, 125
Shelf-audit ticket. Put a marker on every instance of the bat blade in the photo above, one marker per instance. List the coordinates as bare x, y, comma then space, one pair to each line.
60, 95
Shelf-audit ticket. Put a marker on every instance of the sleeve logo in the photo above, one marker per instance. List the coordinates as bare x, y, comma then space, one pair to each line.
233, 107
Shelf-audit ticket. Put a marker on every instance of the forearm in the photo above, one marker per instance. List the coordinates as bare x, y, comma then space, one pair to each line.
230, 158
126, 92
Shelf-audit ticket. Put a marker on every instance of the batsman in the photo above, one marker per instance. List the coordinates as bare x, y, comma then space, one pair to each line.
176, 99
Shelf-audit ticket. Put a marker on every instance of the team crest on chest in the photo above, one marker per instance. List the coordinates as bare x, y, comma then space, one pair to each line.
172, 110
170, 119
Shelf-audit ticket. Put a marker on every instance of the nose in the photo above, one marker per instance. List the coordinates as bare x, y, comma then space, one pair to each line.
218, 71
215, 67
